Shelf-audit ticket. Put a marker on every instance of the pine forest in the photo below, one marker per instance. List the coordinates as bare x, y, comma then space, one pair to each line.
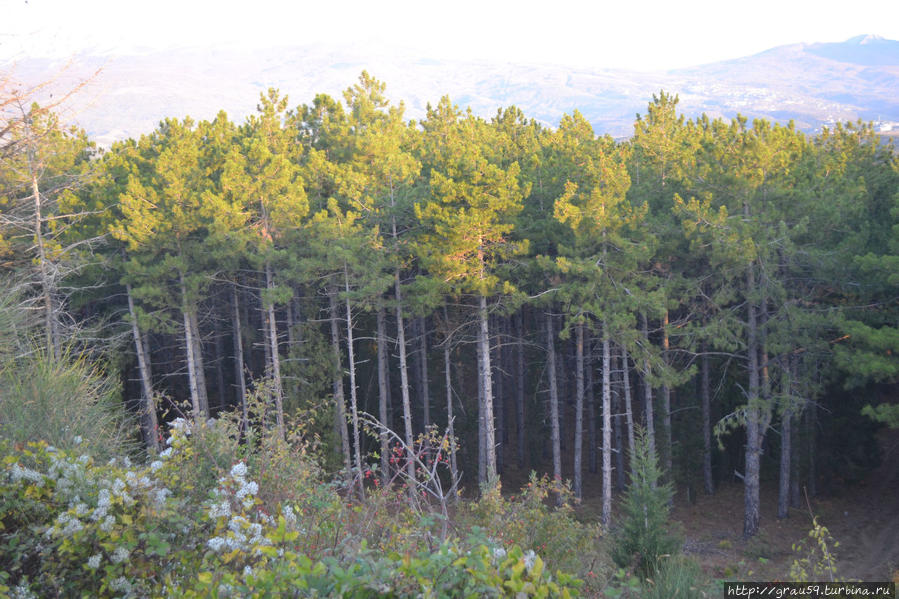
332, 351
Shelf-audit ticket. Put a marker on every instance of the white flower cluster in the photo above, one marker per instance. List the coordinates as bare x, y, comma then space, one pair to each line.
119, 555
22, 592
120, 584
530, 558
19, 474
241, 534
289, 516
244, 491
66, 525
232, 499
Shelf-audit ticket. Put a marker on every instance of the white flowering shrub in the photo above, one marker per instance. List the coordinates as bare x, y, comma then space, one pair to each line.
71, 525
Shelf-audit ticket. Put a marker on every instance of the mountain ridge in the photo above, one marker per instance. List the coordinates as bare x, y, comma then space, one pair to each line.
811, 84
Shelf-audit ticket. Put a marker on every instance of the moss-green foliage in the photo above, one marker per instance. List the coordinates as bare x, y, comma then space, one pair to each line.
678, 578
815, 557
644, 536
67, 402
529, 520
211, 517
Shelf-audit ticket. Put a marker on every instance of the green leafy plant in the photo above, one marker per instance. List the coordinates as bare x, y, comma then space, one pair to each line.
815, 557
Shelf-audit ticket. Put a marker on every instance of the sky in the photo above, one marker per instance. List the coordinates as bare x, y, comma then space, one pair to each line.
646, 35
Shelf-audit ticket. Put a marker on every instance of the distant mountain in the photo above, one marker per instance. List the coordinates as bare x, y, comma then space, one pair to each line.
812, 84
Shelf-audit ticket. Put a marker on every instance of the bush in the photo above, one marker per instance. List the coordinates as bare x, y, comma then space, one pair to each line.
75, 526
677, 578
644, 536
66, 402
528, 520
815, 557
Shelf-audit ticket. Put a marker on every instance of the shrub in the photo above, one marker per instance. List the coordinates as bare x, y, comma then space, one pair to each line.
528, 520
74, 526
815, 558
677, 578
66, 402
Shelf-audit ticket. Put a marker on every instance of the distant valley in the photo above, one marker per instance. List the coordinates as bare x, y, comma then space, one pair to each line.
812, 84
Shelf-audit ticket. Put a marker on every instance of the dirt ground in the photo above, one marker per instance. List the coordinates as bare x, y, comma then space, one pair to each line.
863, 519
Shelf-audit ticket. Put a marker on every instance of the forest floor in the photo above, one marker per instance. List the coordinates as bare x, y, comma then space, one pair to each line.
863, 519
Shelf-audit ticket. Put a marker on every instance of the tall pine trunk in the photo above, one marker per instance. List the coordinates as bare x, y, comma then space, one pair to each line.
628, 408
199, 362
579, 411
238, 357
519, 390
499, 399
149, 423
606, 517
423, 376
618, 411
485, 374
354, 404
553, 401
404, 372
753, 417
189, 352
274, 353
339, 399
647, 392
706, 394
50, 324
667, 448
786, 438
383, 393
450, 424
591, 411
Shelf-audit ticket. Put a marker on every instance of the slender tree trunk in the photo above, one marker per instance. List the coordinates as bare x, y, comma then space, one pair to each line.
450, 426
786, 438
275, 354
579, 411
202, 389
383, 395
706, 398
591, 411
238, 358
339, 400
425, 391
489, 430
812, 431
647, 393
786, 443
291, 321
753, 418
795, 495
404, 371
499, 399
628, 408
606, 517
149, 423
482, 427
667, 449
189, 351
220, 355
50, 327
519, 390
354, 404
553, 401
618, 411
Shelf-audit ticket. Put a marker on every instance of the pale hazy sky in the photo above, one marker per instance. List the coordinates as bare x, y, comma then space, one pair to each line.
650, 34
